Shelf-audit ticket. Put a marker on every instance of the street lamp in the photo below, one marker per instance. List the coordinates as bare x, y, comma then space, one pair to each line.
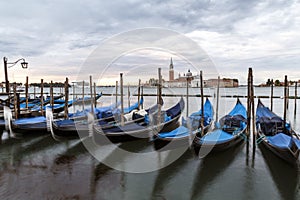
24, 65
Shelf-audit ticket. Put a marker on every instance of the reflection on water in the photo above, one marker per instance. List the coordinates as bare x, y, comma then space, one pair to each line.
285, 176
38, 167
210, 170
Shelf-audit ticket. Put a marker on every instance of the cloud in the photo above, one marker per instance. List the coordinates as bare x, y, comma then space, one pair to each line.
57, 36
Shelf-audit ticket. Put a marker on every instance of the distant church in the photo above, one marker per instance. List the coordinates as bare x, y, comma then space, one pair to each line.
181, 81
194, 80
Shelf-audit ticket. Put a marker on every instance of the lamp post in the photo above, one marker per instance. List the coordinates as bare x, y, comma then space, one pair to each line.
24, 65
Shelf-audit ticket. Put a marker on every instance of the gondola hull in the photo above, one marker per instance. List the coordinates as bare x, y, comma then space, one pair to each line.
34, 128
173, 143
285, 154
229, 133
134, 132
218, 147
276, 135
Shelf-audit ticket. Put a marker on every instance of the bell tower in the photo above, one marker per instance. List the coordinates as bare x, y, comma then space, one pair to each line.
171, 71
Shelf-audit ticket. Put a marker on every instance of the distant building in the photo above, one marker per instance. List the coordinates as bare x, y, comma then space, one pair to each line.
171, 71
225, 82
192, 80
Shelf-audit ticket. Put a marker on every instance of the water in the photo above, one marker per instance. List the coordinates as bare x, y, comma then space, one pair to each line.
38, 167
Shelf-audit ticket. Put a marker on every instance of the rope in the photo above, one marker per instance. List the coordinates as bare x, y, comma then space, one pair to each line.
260, 139
242, 135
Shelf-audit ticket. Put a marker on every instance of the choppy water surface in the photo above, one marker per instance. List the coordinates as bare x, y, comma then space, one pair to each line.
38, 167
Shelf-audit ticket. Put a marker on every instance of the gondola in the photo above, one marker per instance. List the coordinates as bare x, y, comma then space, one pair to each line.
57, 108
140, 127
87, 100
37, 124
228, 132
78, 122
276, 135
185, 133
37, 101
29, 125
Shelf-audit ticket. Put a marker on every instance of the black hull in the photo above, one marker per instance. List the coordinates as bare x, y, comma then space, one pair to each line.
143, 133
163, 144
78, 130
29, 129
65, 132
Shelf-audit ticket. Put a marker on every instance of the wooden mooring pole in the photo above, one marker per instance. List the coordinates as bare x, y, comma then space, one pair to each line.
159, 99
91, 96
253, 112
142, 96
285, 101
122, 100
51, 96
95, 94
117, 93
288, 95
202, 104
15, 100
295, 107
249, 104
26, 92
272, 94
128, 95
34, 92
187, 97
82, 95
218, 96
42, 96
139, 94
66, 115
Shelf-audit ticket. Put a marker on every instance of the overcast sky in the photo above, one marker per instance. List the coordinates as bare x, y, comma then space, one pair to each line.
57, 36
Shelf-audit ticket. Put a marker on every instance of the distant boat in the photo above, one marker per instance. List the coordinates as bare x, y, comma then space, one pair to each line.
140, 127
181, 135
277, 136
228, 134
